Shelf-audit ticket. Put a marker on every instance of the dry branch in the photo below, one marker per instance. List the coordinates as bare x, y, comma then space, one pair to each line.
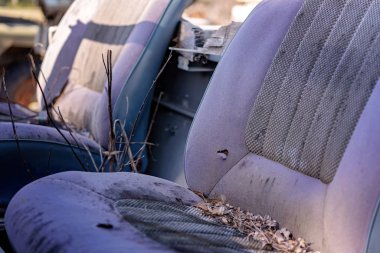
127, 148
150, 126
112, 156
34, 73
147, 96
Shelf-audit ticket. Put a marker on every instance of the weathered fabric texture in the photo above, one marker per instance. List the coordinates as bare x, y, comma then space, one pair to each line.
84, 218
184, 228
317, 86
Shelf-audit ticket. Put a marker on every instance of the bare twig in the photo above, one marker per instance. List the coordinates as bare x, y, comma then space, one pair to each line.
127, 149
101, 155
147, 96
112, 136
13, 122
127, 140
68, 128
91, 157
150, 126
34, 73
146, 143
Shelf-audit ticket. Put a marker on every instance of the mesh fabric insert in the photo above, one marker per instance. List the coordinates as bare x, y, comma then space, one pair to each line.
317, 86
184, 228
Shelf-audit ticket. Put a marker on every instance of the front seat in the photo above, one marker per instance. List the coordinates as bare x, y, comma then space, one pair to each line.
294, 108
74, 79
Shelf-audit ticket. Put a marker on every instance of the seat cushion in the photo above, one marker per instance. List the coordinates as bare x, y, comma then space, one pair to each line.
37, 133
75, 212
39, 151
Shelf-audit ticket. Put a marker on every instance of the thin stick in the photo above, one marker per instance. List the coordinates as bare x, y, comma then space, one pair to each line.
146, 143
73, 137
147, 95
67, 127
127, 149
51, 118
150, 126
112, 136
91, 157
101, 156
13, 122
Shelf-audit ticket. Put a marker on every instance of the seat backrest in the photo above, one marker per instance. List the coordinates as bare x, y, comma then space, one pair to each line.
292, 108
138, 33
60, 55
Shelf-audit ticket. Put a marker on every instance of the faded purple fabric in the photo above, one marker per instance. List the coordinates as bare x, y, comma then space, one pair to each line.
89, 200
42, 133
222, 117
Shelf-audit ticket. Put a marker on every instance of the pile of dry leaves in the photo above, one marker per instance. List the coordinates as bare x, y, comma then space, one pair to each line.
264, 229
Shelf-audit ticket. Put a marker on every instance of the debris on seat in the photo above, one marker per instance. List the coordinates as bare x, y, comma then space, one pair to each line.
257, 227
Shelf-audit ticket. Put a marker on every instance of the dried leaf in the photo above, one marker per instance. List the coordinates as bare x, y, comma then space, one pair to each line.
257, 227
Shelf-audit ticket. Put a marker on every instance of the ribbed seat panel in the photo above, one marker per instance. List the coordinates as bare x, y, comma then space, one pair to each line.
317, 86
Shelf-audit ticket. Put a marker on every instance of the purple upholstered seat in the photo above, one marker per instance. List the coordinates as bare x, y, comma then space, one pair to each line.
62, 211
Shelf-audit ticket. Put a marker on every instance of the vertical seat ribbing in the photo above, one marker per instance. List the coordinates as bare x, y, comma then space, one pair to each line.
304, 118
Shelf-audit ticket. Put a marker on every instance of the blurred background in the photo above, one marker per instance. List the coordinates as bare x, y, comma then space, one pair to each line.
15, 2
221, 12
214, 12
